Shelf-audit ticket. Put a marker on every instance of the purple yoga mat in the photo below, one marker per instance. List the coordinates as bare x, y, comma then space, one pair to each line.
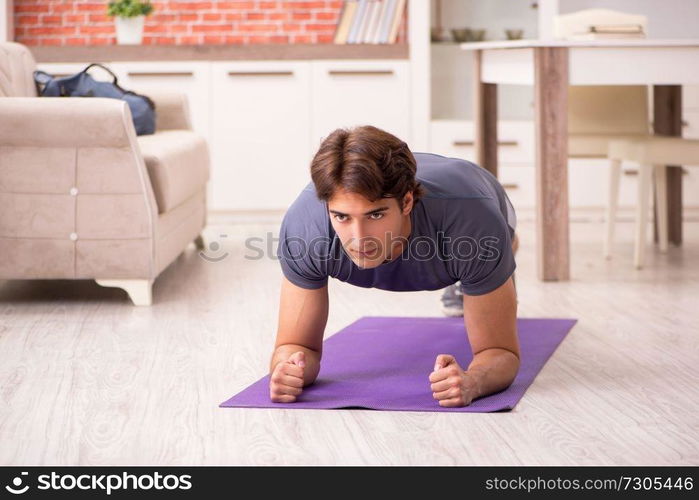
383, 363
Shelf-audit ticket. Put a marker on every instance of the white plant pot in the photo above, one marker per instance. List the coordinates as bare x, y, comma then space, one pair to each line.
129, 30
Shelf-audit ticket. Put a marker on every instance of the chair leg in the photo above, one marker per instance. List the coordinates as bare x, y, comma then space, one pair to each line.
199, 242
661, 204
612, 203
140, 291
644, 182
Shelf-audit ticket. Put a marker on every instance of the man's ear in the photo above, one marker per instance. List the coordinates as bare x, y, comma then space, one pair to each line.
407, 202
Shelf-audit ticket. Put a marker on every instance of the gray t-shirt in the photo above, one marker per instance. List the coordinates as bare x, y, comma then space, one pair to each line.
462, 230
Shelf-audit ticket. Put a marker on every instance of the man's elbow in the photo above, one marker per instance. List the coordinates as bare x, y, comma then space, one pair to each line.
514, 363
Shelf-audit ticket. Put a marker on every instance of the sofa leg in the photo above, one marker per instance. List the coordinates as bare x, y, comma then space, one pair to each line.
199, 242
140, 291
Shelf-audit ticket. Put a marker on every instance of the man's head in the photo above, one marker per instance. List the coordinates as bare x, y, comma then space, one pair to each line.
367, 178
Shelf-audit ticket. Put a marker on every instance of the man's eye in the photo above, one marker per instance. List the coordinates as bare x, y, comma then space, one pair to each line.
340, 218
376, 216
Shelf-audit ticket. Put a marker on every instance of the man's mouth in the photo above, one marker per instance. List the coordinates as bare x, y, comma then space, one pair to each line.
367, 254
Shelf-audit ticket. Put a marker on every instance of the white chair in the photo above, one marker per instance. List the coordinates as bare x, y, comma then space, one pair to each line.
652, 154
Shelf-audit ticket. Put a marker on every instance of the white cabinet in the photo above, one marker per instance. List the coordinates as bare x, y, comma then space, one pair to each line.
188, 77
347, 93
260, 145
588, 179
269, 118
455, 138
264, 120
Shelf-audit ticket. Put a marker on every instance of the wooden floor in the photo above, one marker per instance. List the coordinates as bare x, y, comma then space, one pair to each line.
86, 378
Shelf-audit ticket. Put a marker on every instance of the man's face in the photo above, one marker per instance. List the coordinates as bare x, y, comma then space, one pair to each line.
369, 230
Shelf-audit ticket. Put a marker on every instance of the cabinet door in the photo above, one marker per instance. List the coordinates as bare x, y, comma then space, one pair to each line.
360, 92
260, 134
188, 77
455, 138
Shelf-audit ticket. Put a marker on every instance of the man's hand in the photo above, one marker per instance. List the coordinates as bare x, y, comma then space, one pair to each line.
451, 385
286, 381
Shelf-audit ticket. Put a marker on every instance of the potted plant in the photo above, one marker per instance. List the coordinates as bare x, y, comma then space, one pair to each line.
128, 19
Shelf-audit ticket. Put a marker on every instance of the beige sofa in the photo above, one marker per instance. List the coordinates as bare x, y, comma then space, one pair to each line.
83, 197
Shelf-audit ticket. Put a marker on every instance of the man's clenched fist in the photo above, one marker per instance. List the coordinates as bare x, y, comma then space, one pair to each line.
286, 381
451, 385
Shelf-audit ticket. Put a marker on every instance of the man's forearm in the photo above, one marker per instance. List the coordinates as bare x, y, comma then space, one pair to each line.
493, 370
310, 371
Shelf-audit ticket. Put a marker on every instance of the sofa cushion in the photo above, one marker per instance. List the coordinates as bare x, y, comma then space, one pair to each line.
177, 163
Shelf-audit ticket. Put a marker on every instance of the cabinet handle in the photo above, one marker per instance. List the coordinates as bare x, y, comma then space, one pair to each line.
511, 185
472, 143
158, 73
368, 72
260, 73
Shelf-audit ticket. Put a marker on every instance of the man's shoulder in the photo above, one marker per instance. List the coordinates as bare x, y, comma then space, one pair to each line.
451, 178
461, 197
307, 216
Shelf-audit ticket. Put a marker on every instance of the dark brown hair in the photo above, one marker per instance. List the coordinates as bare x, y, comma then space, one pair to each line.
365, 160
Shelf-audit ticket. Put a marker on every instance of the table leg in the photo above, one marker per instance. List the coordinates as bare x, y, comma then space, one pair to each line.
551, 122
667, 120
485, 119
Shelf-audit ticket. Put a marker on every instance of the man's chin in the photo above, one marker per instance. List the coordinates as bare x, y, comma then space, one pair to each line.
367, 263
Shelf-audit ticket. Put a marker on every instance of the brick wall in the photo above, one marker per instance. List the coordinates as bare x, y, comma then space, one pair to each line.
84, 22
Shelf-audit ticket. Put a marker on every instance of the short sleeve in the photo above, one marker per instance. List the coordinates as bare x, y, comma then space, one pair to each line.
301, 246
297, 267
492, 260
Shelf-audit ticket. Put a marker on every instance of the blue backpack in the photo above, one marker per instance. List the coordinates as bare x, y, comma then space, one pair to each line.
83, 85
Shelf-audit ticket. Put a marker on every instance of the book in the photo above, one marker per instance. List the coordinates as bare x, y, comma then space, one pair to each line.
357, 23
386, 21
376, 36
368, 14
616, 28
371, 28
397, 18
349, 8
606, 36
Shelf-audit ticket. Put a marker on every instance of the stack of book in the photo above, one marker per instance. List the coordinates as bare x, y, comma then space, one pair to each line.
369, 21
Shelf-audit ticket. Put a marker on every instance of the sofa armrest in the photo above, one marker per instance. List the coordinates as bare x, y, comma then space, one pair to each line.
171, 110
84, 142
65, 121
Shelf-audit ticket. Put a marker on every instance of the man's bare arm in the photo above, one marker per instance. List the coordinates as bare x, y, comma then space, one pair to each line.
491, 321
303, 314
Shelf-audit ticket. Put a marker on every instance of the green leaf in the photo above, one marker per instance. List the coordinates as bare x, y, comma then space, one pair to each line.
129, 8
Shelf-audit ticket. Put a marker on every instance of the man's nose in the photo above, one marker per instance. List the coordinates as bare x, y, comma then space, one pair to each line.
359, 234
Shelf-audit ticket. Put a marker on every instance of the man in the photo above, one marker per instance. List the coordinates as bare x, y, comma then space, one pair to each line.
377, 215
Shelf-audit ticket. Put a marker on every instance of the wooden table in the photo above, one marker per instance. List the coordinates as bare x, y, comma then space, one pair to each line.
551, 66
